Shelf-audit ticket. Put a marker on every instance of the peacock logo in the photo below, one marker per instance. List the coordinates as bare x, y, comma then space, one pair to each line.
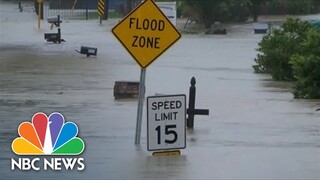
48, 136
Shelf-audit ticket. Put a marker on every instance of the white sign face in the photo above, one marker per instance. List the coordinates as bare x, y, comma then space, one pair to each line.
166, 122
170, 10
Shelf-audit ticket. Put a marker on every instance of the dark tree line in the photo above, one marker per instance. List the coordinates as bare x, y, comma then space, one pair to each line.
209, 11
224, 10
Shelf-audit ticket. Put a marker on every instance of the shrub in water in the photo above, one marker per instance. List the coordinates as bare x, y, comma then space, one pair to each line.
276, 49
306, 67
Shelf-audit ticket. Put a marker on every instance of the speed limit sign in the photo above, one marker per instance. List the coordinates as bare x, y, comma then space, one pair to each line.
166, 122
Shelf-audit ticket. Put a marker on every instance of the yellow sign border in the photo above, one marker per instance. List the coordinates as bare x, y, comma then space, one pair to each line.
137, 8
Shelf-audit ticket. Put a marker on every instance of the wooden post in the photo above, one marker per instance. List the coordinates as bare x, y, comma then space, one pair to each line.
39, 13
59, 35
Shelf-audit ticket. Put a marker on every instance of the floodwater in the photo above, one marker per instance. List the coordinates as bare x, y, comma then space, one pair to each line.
255, 130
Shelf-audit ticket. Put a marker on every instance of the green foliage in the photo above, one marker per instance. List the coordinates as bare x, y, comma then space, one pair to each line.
114, 14
293, 7
276, 49
301, 6
209, 11
306, 67
274, 7
205, 10
180, 8
239, 10
292, 53
307, 70
255, 7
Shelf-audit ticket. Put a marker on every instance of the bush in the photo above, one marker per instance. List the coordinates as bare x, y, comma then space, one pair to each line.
292, 53
306, 67
276, 49
307, 72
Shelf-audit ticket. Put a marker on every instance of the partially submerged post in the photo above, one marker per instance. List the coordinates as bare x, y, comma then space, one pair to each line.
40, 12
191, 111
36, 7
103, 9
54, 37
20, 7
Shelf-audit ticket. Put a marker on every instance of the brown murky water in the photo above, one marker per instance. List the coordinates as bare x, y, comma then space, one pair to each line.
256, 130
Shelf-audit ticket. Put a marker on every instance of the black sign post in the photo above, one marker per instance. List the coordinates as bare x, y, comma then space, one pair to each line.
191, 111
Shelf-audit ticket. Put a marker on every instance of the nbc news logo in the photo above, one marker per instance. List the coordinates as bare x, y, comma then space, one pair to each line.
48, 136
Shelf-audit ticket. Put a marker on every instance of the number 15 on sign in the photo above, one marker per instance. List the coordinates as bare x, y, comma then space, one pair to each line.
166, 118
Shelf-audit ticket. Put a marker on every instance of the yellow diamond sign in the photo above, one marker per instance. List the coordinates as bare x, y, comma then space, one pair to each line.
146, 33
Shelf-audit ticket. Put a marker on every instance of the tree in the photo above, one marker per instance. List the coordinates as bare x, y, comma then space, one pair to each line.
276, 49
209, 11
255, 7
205, 9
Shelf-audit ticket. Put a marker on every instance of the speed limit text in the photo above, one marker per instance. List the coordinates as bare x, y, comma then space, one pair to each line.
166, 105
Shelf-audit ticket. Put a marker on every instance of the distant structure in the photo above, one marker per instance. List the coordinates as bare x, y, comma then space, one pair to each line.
260, 28
83, 9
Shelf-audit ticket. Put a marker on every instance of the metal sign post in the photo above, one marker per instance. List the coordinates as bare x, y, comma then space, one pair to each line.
146, 33
101, 9
141, 95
